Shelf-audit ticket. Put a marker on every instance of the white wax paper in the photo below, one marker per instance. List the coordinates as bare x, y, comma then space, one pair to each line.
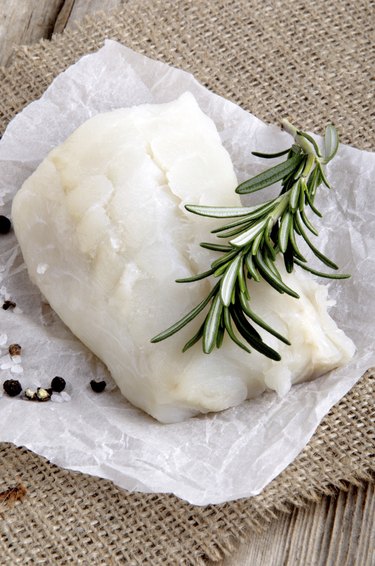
209, 459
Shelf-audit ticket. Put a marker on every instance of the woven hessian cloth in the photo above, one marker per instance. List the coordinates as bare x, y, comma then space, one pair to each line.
312, 61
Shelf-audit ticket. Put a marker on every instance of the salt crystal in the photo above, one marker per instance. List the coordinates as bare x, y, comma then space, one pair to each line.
65, 396
56, 398
4, 293
42, 268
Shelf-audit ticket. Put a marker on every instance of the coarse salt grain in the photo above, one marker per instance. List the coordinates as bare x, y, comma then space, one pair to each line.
56, 398
65, 396
42, 268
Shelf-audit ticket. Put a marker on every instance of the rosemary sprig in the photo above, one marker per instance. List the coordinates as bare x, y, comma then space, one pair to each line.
256, 236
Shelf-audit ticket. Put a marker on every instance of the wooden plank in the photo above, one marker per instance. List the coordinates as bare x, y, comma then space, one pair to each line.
338, 531
74, 11
24, 22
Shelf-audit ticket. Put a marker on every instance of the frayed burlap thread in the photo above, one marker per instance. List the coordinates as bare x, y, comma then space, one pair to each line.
313, 61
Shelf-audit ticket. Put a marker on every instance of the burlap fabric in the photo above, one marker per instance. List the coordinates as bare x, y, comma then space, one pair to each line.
313, 61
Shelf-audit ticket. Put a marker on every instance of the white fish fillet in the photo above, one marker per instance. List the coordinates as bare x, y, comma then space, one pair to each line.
104, 234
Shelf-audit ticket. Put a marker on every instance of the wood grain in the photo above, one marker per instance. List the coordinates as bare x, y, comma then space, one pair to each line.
74, 10
24, 22
338, 531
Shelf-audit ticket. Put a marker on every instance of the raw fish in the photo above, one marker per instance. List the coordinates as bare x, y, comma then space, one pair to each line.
104, 234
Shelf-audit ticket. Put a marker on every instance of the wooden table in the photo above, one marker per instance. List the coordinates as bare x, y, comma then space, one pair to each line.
336, 531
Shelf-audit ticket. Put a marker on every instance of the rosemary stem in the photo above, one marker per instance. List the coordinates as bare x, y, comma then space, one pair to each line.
300, 140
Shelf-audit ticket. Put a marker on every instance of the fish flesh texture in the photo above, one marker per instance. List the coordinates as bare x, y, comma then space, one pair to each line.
104, 234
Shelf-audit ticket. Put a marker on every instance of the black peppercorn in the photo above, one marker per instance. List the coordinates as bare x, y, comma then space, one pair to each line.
58, 384
12, 387
97, 386
9, 305
4, 225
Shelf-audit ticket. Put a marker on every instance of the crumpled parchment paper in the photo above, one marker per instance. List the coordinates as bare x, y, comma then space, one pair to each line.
209, 459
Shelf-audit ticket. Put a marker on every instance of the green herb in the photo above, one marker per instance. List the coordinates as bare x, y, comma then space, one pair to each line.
256, 236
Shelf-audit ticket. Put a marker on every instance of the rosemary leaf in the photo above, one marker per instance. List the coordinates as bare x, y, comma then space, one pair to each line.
218, 211
270, 155
331, 143
256, 244
249, 234
229, 329
235, 231
321, 274
257, 213
215, 247
220, 270
272, 279
307, 223
229, 280
312, 206
251, 267
315, 250
268, 240
270, 176
284, 232
251, 335
323, 176
242, 279
225, 258
187, 318
302, 197
211, 325
197, 277
298, 172
220, 336
289, 259
271, 264
260, 322
293, 243
236, 224
294, 196
194, 339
